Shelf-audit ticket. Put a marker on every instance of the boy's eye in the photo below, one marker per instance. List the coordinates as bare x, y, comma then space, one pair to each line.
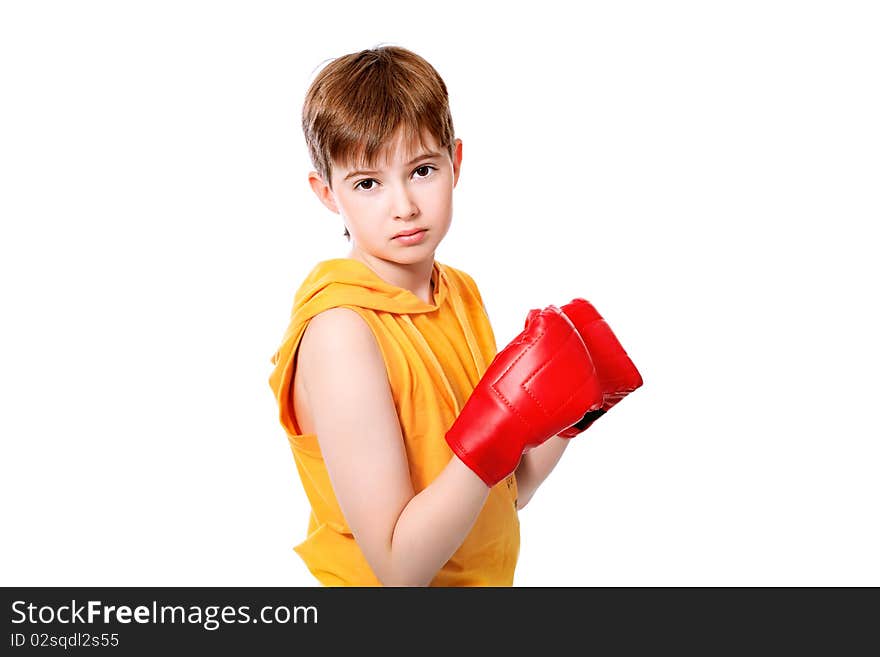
368, 183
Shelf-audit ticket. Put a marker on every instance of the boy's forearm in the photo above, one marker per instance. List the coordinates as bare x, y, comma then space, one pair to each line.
434, 524
535, 466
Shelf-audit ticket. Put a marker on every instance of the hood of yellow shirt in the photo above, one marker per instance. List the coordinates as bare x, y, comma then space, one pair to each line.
344, 281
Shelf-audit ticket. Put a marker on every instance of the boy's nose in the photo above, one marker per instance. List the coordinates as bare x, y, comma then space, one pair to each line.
404, 204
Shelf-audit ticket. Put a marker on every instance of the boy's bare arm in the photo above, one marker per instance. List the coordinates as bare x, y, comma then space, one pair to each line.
406, 538
535, 466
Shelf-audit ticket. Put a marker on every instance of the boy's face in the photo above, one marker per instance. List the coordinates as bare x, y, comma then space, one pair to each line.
406, 190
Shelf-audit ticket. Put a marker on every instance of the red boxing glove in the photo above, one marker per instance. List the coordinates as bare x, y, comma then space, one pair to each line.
618, 375
538, 385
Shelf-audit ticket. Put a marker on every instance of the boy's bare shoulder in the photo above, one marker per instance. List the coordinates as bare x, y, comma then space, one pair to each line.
336, 321
339, 338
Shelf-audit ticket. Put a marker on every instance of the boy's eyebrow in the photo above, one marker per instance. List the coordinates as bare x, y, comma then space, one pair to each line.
410, 163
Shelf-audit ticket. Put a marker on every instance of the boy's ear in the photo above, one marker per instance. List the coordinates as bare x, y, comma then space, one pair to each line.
456, 162
322, 191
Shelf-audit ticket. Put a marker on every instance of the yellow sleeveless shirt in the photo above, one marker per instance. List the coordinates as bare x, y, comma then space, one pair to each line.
435, 353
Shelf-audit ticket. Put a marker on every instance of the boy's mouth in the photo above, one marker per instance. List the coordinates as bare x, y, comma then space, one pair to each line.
409, 232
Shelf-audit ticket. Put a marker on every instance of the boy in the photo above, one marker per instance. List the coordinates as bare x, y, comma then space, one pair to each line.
415, 440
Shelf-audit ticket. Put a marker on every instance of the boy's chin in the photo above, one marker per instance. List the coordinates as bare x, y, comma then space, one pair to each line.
411, 256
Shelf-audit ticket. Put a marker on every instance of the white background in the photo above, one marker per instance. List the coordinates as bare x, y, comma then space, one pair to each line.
705, 173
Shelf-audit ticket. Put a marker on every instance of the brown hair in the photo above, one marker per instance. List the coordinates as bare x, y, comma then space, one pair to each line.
358, 101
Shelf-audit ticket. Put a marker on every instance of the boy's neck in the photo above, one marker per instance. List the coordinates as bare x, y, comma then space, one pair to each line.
415, 277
